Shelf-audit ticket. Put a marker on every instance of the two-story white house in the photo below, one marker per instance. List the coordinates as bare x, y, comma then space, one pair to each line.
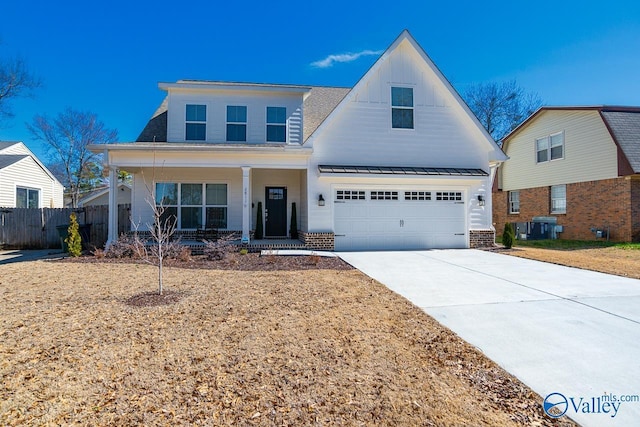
396, 162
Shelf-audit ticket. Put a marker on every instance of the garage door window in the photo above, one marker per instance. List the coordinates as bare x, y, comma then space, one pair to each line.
449, 195
417, 195
384, 195
349, 195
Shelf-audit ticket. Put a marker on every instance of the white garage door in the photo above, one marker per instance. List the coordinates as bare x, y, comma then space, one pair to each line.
398, 219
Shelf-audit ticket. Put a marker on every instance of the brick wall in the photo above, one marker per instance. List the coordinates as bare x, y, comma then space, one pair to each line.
318, 241
482, 238
600, 204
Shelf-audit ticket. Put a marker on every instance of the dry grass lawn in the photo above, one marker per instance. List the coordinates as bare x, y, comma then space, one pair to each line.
612, 260
316, 347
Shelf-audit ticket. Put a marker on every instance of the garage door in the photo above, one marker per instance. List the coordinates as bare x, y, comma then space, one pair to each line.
398, 219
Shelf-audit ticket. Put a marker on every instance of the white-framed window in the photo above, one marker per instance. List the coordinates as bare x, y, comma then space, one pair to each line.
27, 197
449, 195
196, 122
276, 124
236, 123
350, 195
402, 108
417, 195
550, 147
558, 199
514, 202
384, 195
193, 205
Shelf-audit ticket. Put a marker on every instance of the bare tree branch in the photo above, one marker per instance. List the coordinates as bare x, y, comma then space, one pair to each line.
15, 81
501, 107
67, 137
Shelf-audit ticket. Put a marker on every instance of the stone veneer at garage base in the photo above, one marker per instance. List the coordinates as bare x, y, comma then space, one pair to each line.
612, 204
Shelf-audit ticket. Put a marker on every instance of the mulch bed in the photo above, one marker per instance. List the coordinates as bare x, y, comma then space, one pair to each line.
237, 261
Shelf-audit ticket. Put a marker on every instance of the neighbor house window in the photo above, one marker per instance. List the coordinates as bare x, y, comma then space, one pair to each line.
193, 205
236, 123
402, 108
559, 199
276, 124
196, 122
27, 198
550, 147
514, 202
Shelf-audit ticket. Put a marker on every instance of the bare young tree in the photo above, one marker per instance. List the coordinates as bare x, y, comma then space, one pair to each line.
15, 81
501, 107
67, 137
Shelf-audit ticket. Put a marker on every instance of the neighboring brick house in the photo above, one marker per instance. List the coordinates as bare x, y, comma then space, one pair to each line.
578, 166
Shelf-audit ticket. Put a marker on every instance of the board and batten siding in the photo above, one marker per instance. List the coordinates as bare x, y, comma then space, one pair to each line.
217, 102
589, 151
359, 132
27, 173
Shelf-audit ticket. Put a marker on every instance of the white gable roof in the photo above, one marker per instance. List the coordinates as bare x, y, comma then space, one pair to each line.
481, 136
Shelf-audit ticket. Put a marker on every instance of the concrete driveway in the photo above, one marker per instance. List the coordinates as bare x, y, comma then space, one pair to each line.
16, 255
559, 329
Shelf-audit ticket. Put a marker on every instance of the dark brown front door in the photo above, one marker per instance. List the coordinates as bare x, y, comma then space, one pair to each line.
275, 216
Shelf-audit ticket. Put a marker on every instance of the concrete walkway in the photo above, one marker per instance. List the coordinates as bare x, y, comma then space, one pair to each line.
558, 329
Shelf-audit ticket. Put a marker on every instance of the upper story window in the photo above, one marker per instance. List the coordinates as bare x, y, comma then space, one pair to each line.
276, 124
27, 198
196, 122
558, 199
236, 123
402, 108
550, 147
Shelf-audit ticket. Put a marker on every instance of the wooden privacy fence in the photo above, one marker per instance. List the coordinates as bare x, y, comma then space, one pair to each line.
23, 228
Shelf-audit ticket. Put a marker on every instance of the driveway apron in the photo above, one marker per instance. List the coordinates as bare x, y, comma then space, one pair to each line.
558, 329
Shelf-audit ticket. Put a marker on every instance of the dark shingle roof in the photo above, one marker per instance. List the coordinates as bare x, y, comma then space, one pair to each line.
9, 159
156, 128
625, 129
320, 102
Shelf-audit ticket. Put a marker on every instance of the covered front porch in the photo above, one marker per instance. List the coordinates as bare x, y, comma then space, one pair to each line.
217, 186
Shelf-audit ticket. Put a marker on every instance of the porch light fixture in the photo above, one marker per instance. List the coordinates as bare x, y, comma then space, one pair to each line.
320, 200
480, 200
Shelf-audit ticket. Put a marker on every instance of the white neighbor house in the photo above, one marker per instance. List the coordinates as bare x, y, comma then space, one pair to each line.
24, 181
397, 162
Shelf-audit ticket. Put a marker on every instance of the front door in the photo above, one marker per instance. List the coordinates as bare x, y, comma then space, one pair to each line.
275, 213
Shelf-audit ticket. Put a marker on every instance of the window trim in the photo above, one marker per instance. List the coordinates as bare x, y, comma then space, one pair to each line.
552, 199
549, 148
203, 206
38, 191
403, 107
233, 123
188, 122
276, 124
514, 206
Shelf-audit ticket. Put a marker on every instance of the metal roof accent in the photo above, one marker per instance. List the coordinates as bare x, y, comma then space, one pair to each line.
401, 170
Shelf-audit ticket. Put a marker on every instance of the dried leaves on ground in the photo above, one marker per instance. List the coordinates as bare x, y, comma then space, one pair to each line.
314, 347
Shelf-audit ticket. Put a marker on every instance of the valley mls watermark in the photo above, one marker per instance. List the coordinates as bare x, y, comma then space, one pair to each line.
557, 404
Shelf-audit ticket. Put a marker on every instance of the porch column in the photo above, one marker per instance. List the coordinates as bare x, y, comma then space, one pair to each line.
112, 233
246, 203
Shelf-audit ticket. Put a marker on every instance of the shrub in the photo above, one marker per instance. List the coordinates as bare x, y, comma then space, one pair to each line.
127, 246
508, 236
293, 228
73, 240
259, 226
217, 250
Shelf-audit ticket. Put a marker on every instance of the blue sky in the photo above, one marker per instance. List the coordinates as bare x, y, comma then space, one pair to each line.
107, 57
